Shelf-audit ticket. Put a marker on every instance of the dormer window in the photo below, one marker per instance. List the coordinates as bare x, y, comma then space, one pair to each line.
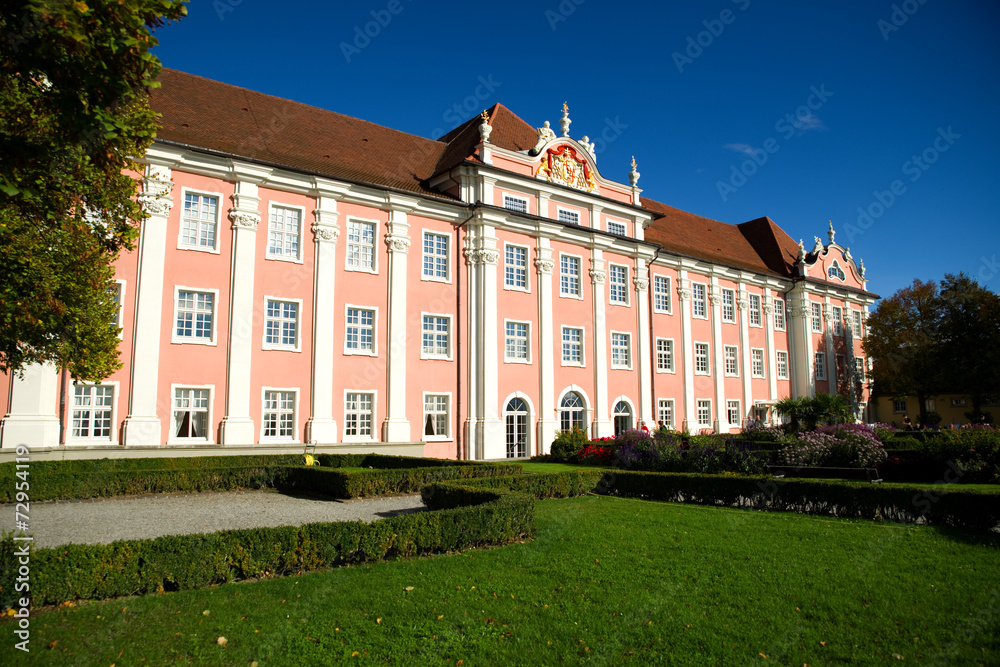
836, 272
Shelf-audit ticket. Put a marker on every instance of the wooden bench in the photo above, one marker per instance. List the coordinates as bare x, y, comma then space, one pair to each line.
822, 472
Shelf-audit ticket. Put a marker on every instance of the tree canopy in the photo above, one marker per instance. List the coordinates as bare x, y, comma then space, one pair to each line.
74, 118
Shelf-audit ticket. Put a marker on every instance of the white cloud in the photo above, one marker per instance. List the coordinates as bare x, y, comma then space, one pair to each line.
746, 149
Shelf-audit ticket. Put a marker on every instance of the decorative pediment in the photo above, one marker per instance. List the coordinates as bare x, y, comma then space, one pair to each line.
565, 166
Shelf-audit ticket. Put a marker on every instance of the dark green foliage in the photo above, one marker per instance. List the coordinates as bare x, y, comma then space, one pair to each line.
541, 486
383, 482
568, 443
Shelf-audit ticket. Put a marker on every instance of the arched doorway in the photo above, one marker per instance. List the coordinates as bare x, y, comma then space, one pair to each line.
623, 417
516, 422
571, 412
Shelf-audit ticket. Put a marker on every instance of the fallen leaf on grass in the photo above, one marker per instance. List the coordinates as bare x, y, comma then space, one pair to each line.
898, 656
221, 641
408, 589
378, 620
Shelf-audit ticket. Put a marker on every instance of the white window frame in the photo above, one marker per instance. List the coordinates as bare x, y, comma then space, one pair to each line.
838, 320
120, 315
579, 276
504, 196
899, 407
856, 325
706, 404
728, 309
298, 257
734, 358
360, 352
623, 225
293, 438
779, 315
448, 417
672, 358
664, 293
112, 437
215, 249
755, 317
611, 285
819, 365
172, 439
707, 358
373, 269
731, 406
436, 355
816, 314
560, 210
860, 370
297, 347
447, 257
582, 344
373, 437
526, 287
699, 301
781, 360
757, 366
665, 404
184, 340
628, 350
527, 342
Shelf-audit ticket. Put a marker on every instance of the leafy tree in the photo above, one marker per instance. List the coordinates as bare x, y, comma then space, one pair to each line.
806, 412
903, 342
74, 117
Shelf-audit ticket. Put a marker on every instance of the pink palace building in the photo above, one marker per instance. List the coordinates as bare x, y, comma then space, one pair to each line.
307, 277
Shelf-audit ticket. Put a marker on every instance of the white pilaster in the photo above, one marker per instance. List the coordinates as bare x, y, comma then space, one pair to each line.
800, 339
547, 422
142, 426
494, 438
743, 304
397, 427
831, 359
237, 425
719, 361
772, 363
641, 282
602, 424
322, 427
32, 418
687, 347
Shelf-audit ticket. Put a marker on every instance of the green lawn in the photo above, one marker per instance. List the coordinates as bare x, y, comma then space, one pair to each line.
604, 581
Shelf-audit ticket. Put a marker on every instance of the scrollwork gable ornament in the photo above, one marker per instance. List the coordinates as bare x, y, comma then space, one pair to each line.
564, 166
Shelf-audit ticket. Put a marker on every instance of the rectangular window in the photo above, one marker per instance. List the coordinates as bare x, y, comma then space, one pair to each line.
618, 277
512, 203
516, 341
572, 346
820, 365
733, 413
621, 350
899, 407
841, 367
856, 324
704, 413
435, 256
195, 317
757, 362
661, 294
732, 356
283, 233
701, 358
698, 307
755, 320
515, 262
191, 413
437, 423
279, 415
115, 291
281, 324
664, 355
779, 315
92, 405
616, 227
666, 413
358, 415
199, 221
817, 317
782, 364
571, 217
435, 336
728, 305
361, 245
859, 369
838, 321
359, 337
569, 275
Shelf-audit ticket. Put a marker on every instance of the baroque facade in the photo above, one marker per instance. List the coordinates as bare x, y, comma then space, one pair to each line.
307, 277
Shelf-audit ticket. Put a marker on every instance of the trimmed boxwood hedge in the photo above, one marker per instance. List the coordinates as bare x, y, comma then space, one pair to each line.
361, 483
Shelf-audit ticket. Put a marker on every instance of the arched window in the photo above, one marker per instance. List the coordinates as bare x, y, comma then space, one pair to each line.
571, 412
623, 417
836, 272
516, 422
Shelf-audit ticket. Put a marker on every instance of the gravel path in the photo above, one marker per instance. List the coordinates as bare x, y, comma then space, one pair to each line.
101, 521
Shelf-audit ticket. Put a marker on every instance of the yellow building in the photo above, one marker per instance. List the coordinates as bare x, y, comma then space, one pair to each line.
951, 407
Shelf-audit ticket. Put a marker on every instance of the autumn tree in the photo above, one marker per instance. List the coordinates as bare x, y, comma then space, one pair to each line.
74, 118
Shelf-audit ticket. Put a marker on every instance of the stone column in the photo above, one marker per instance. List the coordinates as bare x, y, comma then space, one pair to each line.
641, 282
397, 427
718, 361
602, 424
743, 304
687, 349
772, 357
547, 422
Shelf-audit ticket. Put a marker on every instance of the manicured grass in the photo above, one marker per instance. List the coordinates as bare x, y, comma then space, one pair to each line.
535, 466
605, 580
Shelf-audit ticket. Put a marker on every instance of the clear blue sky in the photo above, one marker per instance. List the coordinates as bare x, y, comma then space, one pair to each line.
833, 99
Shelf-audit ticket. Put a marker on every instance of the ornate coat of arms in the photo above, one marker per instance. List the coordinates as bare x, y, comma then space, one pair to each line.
563, 165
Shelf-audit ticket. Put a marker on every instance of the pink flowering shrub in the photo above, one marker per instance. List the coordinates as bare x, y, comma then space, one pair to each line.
841, 446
